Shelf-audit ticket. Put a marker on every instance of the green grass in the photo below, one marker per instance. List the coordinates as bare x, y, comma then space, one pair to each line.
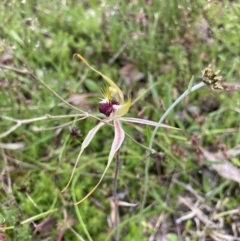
178, 40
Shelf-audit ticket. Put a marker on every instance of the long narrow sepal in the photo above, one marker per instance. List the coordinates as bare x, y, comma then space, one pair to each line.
146, 122
118, 139
117, 142
114, 87
85, 143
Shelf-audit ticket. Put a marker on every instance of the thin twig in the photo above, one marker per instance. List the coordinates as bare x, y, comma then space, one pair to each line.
19, 71
27, 121
9, 182
116, 55
57, 95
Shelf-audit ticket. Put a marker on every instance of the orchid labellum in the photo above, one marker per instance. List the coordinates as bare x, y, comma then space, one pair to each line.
114, 107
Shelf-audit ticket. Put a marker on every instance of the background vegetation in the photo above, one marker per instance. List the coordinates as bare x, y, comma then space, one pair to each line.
142, 45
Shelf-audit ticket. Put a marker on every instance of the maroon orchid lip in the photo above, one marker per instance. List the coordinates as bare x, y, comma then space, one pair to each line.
107, 107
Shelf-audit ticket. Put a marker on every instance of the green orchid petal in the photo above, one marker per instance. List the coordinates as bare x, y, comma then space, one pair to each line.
114, 89
122, 110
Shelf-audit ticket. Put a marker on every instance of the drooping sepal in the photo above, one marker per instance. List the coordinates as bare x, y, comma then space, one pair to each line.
117, 142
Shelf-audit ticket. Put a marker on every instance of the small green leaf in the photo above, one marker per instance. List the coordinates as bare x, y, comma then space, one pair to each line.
91, 85
190, 84
16, 37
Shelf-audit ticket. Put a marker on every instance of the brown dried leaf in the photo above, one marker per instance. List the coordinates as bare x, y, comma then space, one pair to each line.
113, 219
158, 227
45, 226
167, 68
142, 18
78, 99
223, 167
137, 35
235, 151
6, 57
202, 27
130, 73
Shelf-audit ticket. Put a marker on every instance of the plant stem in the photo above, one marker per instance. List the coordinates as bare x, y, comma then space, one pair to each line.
116, 211
179, 99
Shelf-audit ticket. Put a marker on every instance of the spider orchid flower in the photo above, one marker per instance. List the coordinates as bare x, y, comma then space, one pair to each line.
114, 107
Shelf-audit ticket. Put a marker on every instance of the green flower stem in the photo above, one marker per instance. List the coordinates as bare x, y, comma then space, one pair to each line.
115, 198
179, 99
